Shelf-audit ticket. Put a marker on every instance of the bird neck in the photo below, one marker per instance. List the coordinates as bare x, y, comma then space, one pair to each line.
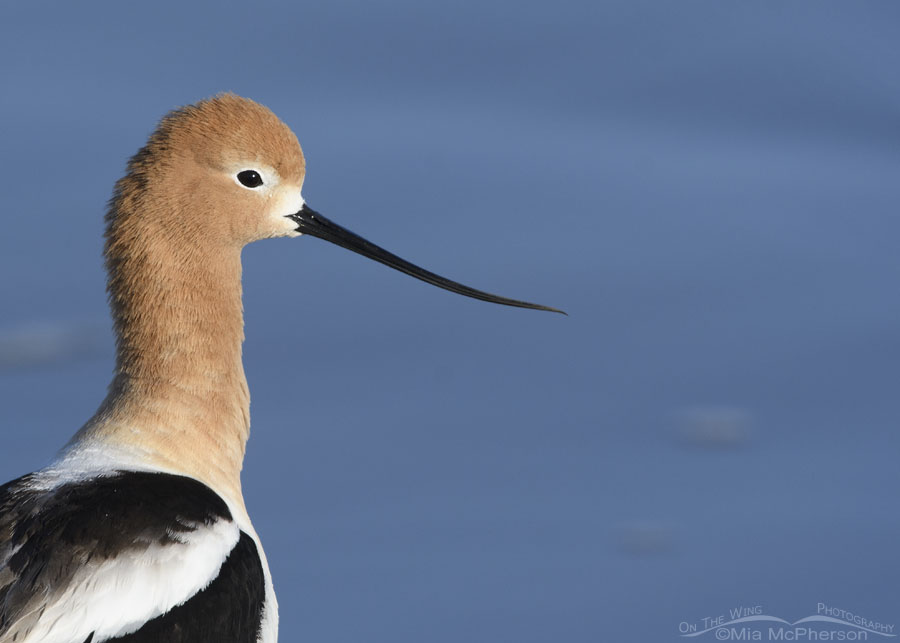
179, 399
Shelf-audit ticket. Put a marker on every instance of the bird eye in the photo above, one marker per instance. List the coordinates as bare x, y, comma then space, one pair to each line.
250, 178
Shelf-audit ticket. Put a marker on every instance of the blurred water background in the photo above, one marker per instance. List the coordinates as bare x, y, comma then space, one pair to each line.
710, 190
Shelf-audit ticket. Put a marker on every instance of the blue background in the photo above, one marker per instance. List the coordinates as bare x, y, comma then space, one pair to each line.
710, 190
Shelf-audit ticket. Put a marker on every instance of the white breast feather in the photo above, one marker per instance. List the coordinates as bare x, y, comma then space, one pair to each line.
118, 596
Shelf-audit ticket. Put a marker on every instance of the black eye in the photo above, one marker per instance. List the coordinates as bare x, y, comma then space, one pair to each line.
250, 178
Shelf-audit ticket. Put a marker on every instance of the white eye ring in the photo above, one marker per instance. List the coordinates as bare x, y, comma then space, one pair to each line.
249, 179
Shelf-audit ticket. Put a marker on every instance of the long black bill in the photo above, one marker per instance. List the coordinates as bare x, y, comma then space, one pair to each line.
312, 223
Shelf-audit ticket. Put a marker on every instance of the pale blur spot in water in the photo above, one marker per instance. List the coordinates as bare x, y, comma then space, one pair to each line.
47, 344
714, 427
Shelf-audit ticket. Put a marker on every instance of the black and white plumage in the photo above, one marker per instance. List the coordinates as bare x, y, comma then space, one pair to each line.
130, 556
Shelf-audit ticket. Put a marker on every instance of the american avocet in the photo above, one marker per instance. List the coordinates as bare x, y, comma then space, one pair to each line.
138, 531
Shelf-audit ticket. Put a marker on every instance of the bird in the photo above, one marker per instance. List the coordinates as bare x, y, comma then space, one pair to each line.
138, 530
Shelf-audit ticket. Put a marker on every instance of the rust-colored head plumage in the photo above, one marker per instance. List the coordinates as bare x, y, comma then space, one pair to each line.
182, 185
180, 216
